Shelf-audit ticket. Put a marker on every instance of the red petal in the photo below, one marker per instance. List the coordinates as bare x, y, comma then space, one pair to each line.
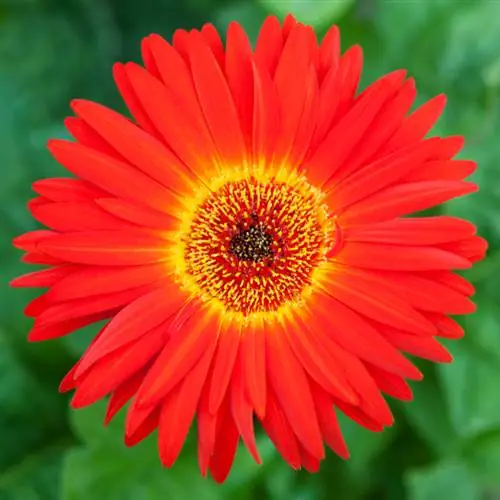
29, 241
361, 291
370, 399
416, 126
379, 174
149, 424
138, 147
317, 364
399, 258
123, 394
44, 278
473, 248
116, 177
207, 425
360, 417
40, 258
90, 281
424, 294
174, 73
447, 327
451, 280
226, 444
88, 306
278, 428
309, 462
133, 103
444, 170
332, 153
217, 104
87, 136
254, 366
391, 384
266, 116
354, 334
329, 52
242, 410
423, 347
296, 95
292, 391
178, 410
212, 39
132, 323
76, 216
116, 368
182, 352
181, 127
106, 247
61, 189
137, 214
350, 68
239, 74
416, 231
385, 124
403, 199
328, 422
41, 332
269, 45
224, 359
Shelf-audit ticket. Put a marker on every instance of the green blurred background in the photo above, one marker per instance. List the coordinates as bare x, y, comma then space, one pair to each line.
445, 444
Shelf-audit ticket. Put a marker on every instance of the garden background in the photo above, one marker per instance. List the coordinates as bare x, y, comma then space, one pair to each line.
445, 444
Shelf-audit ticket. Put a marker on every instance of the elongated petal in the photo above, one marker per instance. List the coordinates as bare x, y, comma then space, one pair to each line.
178, 410
293, 392
45, 278
123, 394
77, 216
112, 175
116, 368
131, 323
138, 147
181, 353
85, 282
114, 248
242, 410
61, 189
224, 360
403, 199
355, 335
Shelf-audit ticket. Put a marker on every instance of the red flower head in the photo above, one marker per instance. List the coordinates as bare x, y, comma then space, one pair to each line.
246, 238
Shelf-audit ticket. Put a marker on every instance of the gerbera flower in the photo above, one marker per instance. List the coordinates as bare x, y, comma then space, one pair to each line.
246, 238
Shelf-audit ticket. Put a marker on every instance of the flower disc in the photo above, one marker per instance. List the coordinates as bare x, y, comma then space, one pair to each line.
254, 246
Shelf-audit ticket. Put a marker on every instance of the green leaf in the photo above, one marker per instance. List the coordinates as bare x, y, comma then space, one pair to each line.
444, 480
471, 388
64, 50
483, 459
105, 468
482, 327
402, 24
466, 53
428, 415
36, 477
363, 444
317, 14
33, 431
30, 413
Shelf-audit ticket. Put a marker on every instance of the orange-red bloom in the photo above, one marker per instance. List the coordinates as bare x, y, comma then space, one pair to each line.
246, 235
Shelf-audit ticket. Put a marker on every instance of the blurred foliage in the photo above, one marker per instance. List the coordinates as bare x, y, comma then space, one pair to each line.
444, 444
